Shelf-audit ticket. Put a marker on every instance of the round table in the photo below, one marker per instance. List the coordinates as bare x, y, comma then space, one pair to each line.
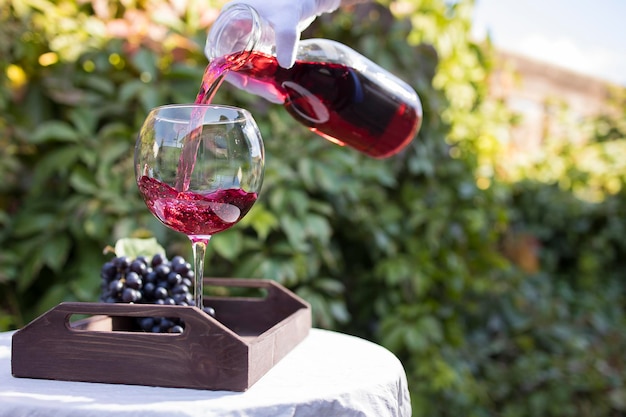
328, 374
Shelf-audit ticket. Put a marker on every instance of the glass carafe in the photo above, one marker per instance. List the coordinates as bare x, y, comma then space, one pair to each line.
332, 89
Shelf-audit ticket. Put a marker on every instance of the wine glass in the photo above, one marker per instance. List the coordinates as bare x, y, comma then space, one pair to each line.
199, 169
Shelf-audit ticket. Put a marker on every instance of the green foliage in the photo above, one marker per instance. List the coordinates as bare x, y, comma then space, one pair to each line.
69, 127
559, 336
501, 299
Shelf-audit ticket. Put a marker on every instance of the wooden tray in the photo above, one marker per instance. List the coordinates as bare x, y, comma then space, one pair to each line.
230, 352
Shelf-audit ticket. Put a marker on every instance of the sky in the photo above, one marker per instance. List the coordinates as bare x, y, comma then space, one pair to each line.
587, 36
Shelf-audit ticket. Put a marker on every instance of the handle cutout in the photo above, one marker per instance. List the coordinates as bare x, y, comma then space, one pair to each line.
103, 323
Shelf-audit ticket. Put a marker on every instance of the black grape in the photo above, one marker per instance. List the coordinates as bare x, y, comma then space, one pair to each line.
150, 281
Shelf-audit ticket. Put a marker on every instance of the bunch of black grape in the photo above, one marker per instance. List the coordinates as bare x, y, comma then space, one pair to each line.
154, 281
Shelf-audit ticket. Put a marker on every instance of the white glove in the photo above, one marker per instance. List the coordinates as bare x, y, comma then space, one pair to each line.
289, 18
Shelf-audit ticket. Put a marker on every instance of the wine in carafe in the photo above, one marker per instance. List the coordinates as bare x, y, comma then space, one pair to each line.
334, 91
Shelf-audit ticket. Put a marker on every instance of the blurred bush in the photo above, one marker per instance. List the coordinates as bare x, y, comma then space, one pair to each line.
500, 298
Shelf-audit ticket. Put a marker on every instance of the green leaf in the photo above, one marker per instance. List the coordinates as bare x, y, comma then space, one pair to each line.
145, 61
82, 181
329, 286
339, 311
29, 271
295, 231
228, 244
430, 327
102, 85
58, 161
318, 226
54, 131
115, 130
416, 340
130, 90
32, 224
85, 121
327, 179
150, 98
249, 267
394, 335
261, 220
134, 247
55, 252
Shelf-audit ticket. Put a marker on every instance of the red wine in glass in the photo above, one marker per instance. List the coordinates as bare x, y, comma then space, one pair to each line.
193, 213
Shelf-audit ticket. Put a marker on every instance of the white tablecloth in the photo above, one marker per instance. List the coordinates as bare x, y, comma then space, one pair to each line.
328, 374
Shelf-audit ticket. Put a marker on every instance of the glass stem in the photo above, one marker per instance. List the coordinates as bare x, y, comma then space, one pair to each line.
199, 249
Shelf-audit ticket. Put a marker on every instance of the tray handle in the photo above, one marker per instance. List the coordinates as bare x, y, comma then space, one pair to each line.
275, 291
58, 318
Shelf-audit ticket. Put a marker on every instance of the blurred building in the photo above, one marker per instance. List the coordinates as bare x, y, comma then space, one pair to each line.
547, 98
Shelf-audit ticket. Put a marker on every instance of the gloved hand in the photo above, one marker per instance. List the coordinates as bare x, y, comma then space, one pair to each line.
289, 18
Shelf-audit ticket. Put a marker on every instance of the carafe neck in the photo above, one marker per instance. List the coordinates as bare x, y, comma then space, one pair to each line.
238, 30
